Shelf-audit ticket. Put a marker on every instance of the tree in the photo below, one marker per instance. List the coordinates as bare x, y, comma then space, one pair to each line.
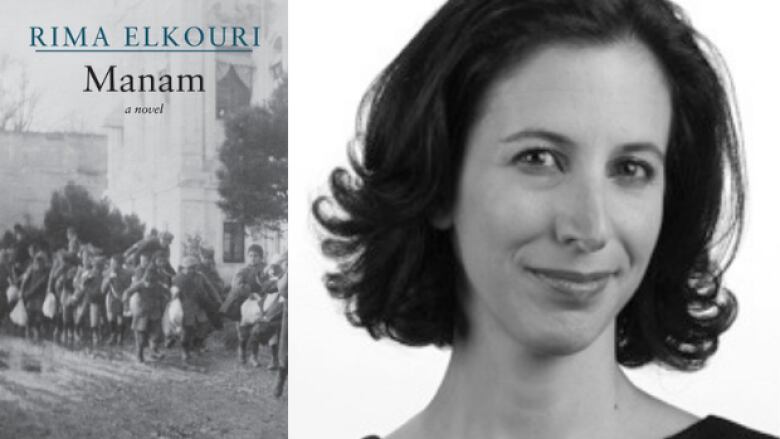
18, 99
96, 222
253, 179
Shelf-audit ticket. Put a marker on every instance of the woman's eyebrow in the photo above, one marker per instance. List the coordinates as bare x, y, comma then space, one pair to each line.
648, 147
536, 133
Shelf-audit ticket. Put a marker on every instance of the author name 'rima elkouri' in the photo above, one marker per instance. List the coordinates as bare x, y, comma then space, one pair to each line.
233, 37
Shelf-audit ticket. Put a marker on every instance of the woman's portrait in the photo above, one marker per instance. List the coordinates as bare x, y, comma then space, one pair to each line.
540, 219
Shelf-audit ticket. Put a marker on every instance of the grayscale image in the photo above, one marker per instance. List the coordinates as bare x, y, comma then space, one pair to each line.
534, 220
143, 219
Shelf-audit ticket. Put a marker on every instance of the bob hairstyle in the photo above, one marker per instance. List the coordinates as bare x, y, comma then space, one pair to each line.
397, 273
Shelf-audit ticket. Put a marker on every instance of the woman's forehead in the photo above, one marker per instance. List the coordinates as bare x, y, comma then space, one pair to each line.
614, 92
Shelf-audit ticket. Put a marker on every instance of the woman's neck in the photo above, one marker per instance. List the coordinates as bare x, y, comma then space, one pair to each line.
495, 387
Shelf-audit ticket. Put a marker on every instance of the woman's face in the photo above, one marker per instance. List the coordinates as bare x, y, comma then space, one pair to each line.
560, 196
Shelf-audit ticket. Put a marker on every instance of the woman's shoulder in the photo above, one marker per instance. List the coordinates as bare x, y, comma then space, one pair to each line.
714, 427
711, 427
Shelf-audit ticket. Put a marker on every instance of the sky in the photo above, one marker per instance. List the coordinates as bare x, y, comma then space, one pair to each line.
59, 78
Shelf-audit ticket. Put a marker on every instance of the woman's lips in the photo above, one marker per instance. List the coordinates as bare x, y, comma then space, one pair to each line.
579, 286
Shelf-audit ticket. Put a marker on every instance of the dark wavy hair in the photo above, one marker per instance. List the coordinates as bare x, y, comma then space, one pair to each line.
397, 273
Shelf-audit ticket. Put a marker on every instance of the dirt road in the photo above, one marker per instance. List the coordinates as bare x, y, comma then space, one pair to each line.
47, 391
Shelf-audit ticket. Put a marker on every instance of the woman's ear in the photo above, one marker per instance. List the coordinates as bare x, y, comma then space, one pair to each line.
442, 220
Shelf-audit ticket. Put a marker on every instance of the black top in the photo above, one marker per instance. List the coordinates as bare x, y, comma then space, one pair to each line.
711, 427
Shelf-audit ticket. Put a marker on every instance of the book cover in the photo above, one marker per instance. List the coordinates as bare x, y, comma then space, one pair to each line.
154, 124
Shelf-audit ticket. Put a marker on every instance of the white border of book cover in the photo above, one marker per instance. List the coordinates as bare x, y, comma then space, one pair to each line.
131, 102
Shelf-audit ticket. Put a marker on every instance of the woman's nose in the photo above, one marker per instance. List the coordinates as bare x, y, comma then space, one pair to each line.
581, 221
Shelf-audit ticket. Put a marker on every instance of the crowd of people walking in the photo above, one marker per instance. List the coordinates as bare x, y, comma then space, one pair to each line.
78, 296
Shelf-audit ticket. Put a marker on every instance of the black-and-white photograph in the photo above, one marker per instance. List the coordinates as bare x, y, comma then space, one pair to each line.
143, 219
538, 219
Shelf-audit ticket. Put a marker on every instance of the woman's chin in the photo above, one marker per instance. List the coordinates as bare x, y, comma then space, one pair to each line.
557, 342
561, 347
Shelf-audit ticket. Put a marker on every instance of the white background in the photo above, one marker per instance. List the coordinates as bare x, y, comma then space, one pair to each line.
345, 385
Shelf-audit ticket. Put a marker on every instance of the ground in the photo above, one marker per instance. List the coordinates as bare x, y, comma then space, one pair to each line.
47, 391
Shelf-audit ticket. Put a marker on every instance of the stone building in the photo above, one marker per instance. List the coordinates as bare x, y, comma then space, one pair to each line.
162, 167
33, 165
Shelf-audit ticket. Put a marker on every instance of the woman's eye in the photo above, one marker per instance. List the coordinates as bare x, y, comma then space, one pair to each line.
537, 158
633, 171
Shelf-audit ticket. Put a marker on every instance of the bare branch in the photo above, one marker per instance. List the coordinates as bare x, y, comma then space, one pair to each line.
18, 99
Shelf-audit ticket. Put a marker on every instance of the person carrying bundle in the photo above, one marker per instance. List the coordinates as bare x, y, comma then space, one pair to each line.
268, 327
189, 289
261, 317
281, 377
91, 282
114, 285
79, 300
64, 288
5, 282
245, 282
146, 303
33, 289
208, 317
